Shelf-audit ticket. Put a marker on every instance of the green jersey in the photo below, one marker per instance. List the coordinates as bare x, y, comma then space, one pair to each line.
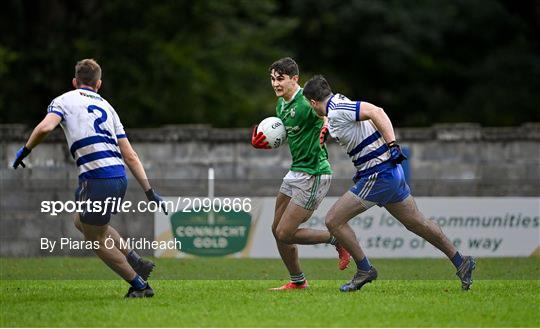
303, 129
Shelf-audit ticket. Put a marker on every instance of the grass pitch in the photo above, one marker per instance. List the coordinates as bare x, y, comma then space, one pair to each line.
52, 292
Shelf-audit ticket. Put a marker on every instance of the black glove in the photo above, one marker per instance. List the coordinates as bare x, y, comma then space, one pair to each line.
396, 155
21, 154
151, 195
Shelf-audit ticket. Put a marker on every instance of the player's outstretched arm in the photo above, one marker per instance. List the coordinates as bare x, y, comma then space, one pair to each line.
384, 125
376, 114
135, 166
134, 163
47, 125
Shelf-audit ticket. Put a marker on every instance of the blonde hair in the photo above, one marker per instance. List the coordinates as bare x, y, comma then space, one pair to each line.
87, 72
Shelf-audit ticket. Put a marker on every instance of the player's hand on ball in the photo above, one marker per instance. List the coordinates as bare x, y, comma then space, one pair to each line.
151, 195
323, 136
396, 155
21, 154
258, 139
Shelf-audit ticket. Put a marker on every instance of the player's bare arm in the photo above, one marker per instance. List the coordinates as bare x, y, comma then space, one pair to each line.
383, 124
47, 125
135, 166
380, 119
134, 163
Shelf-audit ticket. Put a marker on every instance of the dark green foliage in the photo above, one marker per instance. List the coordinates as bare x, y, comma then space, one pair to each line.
174, 62
428, 61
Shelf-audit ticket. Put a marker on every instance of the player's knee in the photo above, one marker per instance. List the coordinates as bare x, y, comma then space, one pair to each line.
284, 236
274, 231
331, 222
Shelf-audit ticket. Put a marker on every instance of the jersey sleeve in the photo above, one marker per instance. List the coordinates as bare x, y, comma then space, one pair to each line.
349, 111
118, 126
57, 108
344, 117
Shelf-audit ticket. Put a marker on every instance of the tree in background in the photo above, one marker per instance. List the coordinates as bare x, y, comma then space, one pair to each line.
427, 61
163, 63
173, 62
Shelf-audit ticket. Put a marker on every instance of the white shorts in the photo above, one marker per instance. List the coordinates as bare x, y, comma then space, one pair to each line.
305, 190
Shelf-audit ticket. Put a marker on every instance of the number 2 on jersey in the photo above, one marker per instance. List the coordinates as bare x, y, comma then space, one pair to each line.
99, 120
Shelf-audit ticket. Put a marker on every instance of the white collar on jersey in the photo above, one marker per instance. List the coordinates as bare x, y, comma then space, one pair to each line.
293, 96
329, 104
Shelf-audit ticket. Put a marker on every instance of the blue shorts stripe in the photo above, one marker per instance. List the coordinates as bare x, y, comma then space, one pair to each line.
370, 139
371, 155
368, 186
89, 141
383, 187
96, 156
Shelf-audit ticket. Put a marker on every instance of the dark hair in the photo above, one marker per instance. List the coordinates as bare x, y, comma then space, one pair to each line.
317, 88
285, 65
87, 72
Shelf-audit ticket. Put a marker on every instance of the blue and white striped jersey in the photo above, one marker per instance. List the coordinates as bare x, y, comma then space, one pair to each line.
363, 142
92, 130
